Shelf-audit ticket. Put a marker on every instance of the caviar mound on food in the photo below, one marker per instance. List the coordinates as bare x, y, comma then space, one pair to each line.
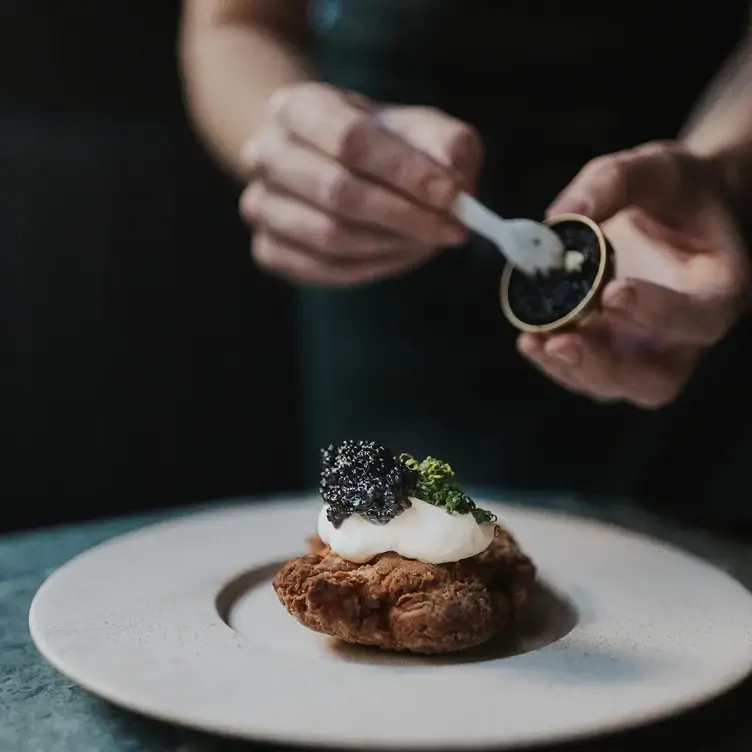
365, 478
544, 298
394, 597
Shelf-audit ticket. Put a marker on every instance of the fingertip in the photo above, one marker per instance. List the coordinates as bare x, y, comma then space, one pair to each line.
246, 203
529, 345
454, 234
567, 204
248, 156
566, 348
563, 338
243, 202
619, 295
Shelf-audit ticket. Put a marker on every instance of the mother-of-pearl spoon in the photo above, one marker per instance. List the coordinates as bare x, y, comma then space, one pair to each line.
531, 246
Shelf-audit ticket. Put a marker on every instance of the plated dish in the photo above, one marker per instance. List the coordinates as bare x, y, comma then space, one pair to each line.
180, 621
403, 558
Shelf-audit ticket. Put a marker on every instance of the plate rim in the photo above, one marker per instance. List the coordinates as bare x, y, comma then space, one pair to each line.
324, 739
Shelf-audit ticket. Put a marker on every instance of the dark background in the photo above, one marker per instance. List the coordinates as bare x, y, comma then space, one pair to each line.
144, 361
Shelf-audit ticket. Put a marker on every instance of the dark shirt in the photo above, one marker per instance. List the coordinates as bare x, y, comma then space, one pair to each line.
130, 339
427, 362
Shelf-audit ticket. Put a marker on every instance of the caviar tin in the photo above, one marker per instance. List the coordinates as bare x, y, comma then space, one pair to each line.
565, 297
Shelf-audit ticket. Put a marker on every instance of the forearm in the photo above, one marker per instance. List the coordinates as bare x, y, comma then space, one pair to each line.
721, 126
233, 61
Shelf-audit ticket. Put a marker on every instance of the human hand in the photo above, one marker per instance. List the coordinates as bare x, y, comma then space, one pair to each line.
342, 193
681, 276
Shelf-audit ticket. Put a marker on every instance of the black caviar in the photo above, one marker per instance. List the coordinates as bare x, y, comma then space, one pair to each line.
365, 478
544, 298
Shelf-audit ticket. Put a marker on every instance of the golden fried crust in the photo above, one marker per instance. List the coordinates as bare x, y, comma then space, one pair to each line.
402, 604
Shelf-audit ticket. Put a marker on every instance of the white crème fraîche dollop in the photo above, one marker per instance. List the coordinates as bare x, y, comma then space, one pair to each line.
423, 532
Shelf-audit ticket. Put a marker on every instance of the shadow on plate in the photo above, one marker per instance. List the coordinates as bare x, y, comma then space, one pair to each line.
549, 618
240, 585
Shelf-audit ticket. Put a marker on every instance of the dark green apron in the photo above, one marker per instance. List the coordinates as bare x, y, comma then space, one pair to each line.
426, 363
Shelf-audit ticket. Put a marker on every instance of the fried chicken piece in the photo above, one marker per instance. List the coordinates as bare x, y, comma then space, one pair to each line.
402, 604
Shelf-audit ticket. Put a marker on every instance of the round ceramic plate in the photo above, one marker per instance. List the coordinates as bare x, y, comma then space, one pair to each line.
179, 621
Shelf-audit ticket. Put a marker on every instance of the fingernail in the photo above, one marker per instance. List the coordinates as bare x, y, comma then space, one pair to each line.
568, 355
622, 299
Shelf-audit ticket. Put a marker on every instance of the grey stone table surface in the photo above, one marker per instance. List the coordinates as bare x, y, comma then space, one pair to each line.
42, 712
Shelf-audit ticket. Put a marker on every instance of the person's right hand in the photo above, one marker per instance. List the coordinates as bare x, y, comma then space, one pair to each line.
343, 193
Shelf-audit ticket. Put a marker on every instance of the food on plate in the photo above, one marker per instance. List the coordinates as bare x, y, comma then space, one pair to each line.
565, 296
404, 560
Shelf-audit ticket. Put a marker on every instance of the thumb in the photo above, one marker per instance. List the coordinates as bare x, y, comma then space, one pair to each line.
651, 177
450, 142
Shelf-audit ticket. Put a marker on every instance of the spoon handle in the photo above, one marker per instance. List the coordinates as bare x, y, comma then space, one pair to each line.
481, 219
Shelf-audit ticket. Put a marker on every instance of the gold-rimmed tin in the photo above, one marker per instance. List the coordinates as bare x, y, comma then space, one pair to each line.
589, 306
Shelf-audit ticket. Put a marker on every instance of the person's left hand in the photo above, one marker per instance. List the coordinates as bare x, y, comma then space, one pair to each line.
681, 277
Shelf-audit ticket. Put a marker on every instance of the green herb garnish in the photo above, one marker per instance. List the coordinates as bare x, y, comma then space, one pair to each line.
437, 484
